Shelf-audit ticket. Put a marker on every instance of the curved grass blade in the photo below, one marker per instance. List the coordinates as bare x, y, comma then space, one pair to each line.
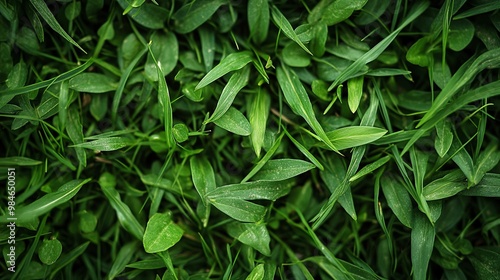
232, 62
375, 52
125, 216
237, 82
194, 14
47, 15
47, 202
258, 19
482, 92
203, 176
264, 159
304, 151
283, 23
7, 95
164, 99
296, 96
489, 59
370, 168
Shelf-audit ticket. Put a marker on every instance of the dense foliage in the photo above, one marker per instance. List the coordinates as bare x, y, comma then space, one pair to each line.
228, 139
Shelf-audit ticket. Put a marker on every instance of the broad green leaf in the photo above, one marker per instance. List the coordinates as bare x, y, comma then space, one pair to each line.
257, 273
180, 132
333, 12
234, 121
73, 9
232, 62
47, 15
258, 112
422, 244
282, 169
106, 144
93, 83
460, 35
447, 186
161, 233
420, 52
50, 251
207, 38
203, 176
236, 83
398, 199
88, 222
375, 52
75, 133
239, 209
295, 56
251, 191
258, 19
18, 161
488, 187
486, 161
18, 75
253, 235
148, 15
353, 136
165, 49
296, 96
370, 168
193, 14
98, 106
127, 219
47, 202
285, 26
444, 138
318, 41
485, 261
355, 92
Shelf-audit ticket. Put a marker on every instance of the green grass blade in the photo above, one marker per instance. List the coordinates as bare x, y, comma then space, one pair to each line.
354, 136
203, 176
47, 15
375, 52
236, 83
106, 144
296, 96
370, 168
422, 244
164, 100
258, 19
354, 92
232, 62
125, 216
398, 199
18, 161
304, 151
264, 159
285, 26
47, 202
258, 114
